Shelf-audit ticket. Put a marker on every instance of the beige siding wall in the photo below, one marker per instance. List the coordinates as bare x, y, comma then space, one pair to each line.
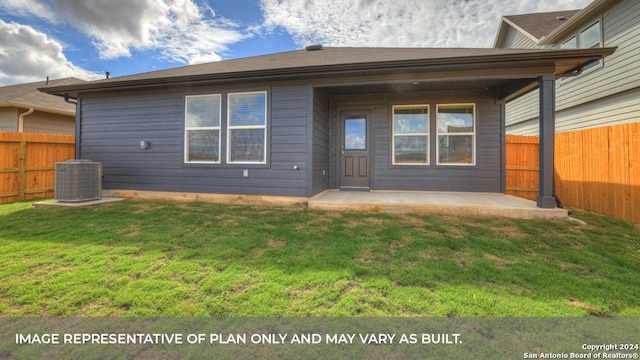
522, 109
8, 119
613, 110
606, 95
620, 72
517, 40
40, 122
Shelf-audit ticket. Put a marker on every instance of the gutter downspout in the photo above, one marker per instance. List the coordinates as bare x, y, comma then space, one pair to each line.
77, 130
21, 119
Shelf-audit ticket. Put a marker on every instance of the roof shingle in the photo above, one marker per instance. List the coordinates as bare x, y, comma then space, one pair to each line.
27, 95
541, 24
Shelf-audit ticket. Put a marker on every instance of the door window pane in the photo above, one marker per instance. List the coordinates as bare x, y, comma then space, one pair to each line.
355, 133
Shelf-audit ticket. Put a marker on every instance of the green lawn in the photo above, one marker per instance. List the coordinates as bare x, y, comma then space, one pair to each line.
136, 258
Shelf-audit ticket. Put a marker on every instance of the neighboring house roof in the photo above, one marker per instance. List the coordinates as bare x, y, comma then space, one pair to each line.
337, 62
547, 28
594, 9
534, 26
25, 96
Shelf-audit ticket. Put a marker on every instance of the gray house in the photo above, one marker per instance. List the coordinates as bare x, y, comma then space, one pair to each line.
604, 93
297, 123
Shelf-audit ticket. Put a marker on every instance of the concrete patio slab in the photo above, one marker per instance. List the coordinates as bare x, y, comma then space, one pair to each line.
103, 200
454, 203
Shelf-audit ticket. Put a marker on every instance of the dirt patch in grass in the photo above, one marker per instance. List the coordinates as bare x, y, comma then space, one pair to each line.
509, 232
590, 309
498, 262
400, 244
456, 233
276, 243
132, 230
144, 207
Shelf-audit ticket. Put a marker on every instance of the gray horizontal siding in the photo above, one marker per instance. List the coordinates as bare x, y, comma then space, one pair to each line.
113, 126
320, 180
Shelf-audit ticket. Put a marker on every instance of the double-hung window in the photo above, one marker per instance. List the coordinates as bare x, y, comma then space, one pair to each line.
239, 137
411, 135
456, 134
247, 128
202, 129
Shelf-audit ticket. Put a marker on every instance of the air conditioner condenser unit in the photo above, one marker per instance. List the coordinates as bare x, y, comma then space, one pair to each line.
78, 180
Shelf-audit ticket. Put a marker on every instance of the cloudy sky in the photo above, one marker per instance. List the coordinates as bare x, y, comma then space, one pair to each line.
85, 38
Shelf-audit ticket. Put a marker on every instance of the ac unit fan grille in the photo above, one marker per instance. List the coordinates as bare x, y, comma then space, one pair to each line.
78, 180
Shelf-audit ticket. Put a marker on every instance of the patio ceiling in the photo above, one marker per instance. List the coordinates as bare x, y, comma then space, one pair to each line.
404, 86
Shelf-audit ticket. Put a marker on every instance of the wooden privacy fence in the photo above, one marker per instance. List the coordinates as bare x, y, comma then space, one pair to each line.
522, 166
27, 164
596, 169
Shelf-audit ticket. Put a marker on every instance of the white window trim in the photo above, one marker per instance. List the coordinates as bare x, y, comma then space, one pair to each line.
576, 35
230, 127
599, 63
188, 128
473, 136
393, 134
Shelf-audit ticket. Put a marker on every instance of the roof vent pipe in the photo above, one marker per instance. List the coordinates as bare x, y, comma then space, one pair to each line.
561, 18
313, 47
47, 83
106, 73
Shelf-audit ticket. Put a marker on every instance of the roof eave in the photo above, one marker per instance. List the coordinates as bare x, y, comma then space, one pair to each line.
307, 72
37, 108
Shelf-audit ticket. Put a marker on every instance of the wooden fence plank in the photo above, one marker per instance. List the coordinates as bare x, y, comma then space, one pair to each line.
596, 169
27, 162
522, 169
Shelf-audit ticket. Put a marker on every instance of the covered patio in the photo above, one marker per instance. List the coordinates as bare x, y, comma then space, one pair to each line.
453, 203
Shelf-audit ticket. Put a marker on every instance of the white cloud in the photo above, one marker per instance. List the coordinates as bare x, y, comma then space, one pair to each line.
410, 23
180, 30
27, 55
